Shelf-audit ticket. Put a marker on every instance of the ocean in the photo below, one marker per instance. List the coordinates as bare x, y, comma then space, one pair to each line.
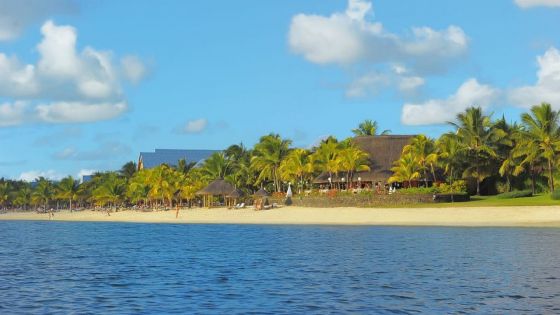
127, 268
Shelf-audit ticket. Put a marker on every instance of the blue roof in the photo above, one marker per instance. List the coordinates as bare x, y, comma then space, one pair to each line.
171, 156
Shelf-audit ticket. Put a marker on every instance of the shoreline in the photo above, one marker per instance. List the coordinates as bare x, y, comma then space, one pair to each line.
518, 216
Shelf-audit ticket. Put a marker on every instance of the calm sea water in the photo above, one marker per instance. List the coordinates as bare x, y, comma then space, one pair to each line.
55, 267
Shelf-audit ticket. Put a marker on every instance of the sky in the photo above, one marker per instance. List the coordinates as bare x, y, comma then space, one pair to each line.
87, 85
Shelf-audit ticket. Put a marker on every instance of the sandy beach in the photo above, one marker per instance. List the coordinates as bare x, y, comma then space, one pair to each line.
546, 216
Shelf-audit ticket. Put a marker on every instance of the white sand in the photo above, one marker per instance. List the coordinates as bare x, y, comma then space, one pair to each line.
547, 216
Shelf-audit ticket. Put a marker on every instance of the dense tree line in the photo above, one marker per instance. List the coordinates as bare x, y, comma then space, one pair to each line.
480, 150
503, 156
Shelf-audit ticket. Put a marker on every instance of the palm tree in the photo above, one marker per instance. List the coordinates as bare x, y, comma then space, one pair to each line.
424, 151
296, 166
405, 169
505, 150
22, 196
184, 167
68, 189
326, 157
267, 156
368, 128
450, 155
139, 187
478, 137
4, 194
111, 192
43, 192
128, 170
542, 133
352, 159
218, 165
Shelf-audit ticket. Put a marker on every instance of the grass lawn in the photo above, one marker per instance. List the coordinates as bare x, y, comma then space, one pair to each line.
493, 201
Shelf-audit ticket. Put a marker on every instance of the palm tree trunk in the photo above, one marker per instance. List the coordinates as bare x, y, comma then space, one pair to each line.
550, 178
70, 201
533, 179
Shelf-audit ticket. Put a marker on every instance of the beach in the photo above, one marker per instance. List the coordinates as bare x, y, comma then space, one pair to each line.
521, 216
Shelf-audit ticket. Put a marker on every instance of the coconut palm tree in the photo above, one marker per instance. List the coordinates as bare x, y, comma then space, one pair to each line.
43, 192
296, 166
111, 192
505, 150
138, 188
67, 189
326, 157
353, 159
405, 169
218, 165
424, 151
478, 138
542, 132
267, 156
4, 194
128, 170
22, 196
368, 128
450, 155
184, 167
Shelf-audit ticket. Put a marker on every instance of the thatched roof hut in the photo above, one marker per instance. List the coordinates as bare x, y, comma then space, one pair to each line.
261, 193
217, 187
383, 151
236, 193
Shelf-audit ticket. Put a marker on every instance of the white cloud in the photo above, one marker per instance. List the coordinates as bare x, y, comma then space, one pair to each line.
31, 176
195, 126
377, 57
76, 112
84, 172
546, 89
348, 37
12, 114
536, 3
133, 69
438, 111
105, 151
79, 86
15, 16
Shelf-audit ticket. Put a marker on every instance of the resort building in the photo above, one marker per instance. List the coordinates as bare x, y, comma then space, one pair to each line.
171, 157
383, 151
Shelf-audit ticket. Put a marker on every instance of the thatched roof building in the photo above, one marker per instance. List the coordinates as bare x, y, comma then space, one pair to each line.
261, 193
383, 151
218, 187
236, 193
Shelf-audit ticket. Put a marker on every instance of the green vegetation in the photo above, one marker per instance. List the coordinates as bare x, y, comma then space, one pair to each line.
515, 194
479, 156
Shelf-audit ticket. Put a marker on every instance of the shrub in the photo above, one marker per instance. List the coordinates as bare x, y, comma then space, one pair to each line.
458, 186
555, 194
515, 194
418, 190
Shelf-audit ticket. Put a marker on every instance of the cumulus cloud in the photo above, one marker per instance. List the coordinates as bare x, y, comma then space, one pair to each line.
537, 3
195, 126
65, 85
105, 151
352, 39
133, 69
12, 114
31, 176
438, 111
546, 89
15, 16
348, 37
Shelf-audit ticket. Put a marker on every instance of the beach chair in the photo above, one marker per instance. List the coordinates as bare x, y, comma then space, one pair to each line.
240, 206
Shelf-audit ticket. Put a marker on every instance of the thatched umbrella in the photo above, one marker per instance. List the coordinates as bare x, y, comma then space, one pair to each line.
218, 187
262, 193
235, 194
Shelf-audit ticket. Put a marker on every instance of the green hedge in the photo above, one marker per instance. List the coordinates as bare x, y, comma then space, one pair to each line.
515, 194
555, 195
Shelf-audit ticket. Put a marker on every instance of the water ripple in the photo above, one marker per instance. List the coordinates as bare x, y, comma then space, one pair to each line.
113, 268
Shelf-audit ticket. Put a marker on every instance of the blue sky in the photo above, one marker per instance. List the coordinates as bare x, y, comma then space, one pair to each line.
85, 86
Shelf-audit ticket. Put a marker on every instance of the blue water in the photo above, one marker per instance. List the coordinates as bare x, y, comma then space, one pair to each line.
115, 268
